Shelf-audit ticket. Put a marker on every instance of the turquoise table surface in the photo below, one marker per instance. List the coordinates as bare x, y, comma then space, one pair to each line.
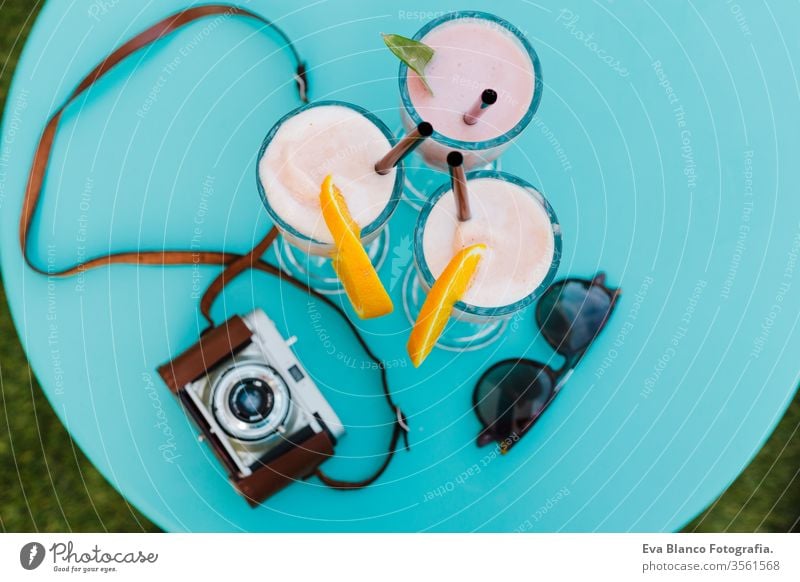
667, 140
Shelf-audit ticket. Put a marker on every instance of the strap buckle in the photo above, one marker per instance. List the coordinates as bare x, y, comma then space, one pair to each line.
402, 422
302, 82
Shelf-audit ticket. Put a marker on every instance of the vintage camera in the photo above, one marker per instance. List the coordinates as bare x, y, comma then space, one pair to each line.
257, 407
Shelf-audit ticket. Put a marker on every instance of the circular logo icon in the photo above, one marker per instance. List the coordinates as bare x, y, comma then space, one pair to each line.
31, 555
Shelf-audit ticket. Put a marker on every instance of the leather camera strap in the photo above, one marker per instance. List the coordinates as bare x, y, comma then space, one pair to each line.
41, 157
235, 263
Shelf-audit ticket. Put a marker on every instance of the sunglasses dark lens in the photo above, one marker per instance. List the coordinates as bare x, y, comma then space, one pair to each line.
571, 314
509, 397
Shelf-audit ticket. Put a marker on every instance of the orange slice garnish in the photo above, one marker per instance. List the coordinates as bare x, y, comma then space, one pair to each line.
447, 290
351, 262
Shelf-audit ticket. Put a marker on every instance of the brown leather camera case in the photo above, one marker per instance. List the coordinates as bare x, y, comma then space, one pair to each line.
299, 461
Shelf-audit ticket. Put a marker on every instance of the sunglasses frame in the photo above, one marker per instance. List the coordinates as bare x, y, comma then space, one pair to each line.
558, 377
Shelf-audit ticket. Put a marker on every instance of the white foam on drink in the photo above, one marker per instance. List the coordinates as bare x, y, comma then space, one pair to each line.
513, 225
328, 139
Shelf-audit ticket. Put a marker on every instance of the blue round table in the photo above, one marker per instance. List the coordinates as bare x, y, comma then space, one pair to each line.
666, 140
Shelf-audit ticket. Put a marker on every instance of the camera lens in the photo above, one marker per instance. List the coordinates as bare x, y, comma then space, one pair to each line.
251, 400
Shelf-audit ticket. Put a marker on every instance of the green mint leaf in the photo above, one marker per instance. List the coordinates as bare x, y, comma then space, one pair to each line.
414, 54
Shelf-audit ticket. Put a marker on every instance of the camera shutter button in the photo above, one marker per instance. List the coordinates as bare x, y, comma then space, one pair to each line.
291, 341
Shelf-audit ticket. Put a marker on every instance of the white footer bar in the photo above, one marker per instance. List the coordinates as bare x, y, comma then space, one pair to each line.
400, 557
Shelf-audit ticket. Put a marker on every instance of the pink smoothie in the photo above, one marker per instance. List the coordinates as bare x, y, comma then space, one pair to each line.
322, 140
516, 229
470, 55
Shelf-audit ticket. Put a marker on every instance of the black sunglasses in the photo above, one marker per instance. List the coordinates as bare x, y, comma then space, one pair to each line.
512, 394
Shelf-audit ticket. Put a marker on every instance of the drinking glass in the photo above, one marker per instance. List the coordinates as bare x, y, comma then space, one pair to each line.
423, 166
473, 327
308, 259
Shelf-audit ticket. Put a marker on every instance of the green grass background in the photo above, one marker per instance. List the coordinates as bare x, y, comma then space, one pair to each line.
47, 484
